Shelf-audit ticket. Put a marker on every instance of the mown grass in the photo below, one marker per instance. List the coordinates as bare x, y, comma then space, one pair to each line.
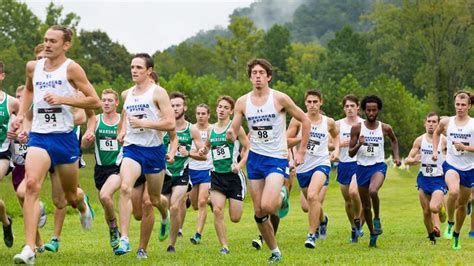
403, 241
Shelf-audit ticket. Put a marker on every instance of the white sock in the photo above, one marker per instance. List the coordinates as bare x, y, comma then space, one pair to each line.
276, 250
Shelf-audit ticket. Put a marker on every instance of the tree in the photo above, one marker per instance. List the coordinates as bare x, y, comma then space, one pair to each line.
276, 48
234, 52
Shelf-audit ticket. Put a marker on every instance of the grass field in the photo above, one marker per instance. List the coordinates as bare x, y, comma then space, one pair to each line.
403, 241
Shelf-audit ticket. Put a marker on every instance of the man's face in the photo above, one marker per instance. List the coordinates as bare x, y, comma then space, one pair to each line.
351, 109
109, 103
462, 106
19, 94
313, 104
431, 123
54, 44
259, 77
178, 106
202, 116
371, 111
139, 70
223, 109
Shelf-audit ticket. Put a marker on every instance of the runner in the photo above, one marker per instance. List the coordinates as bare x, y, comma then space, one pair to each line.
459, 165
430, 180
265, 109
367, 142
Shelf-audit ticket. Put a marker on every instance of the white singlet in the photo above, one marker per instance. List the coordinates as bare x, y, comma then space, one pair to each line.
372, 151
461, 160
345, 134
317, 152
428, 166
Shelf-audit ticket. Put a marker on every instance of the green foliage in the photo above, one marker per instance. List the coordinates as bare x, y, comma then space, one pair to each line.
276, 47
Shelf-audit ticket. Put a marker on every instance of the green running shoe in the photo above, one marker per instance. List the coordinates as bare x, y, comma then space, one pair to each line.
53, 245
165, 228
114, 237
285, 203
456, 244
196, 239
448, 233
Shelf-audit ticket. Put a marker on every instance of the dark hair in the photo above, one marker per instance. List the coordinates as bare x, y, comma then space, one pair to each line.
228, 99
2, 67
177, 94
67, 32
314, 93
430, 114
463, 94
351, 98
155, 77
261, 62
371, 99
148, 60
203, 105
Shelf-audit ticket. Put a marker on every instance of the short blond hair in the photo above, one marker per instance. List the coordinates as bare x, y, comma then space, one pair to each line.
111, 91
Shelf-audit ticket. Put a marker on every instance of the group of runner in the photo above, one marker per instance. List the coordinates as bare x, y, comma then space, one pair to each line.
155, 158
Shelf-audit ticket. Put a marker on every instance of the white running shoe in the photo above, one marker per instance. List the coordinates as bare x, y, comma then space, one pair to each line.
26, 256
43, 215
86, 218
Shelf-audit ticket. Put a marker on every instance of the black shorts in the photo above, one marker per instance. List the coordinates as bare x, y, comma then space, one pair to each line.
229, 184
173, 181
102, 173
140, 181
7, 155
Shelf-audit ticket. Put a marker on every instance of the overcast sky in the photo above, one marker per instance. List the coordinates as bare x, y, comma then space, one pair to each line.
146, 26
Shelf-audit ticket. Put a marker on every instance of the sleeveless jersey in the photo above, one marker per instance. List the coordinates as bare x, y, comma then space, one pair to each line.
4, 123
107, 149
317, 152
372, 151
344, 135
201, 165
461, 160
52, 118
180, 161
267, 128
428, 166
142, 107
224, 154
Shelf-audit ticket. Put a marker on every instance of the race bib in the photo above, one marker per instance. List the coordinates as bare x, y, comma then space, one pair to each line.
428, 169
20, 149
370, 149
108, 145
262, 134
51, 118
312, 147
221, 153
459, 152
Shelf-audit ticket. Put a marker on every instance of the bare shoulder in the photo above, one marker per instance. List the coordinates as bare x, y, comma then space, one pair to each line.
74, 69
282, 98
125, 93
30, 67
386, 127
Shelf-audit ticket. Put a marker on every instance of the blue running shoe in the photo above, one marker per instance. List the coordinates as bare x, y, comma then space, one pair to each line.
373, 241
123, 248
360, 233
275, 258
170, 249
377, 226
471, 234
310, 241
141, 254
354, 236
224, 251
323, 228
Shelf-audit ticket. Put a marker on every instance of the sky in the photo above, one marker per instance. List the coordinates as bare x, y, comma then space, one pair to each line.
146, 26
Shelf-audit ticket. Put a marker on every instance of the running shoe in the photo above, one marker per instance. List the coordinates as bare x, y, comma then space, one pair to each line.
43, 215
196, 239
471, 234
456, 243
323, 228
377, 226
141, 254
53, 245
87, 217
114, 237
258, 243
8, 233
448, 233
275, 258
354, 236
285, 203
40, 249
165, 228
170, 249
310, 241
180, 233
123, 248
373, 240
224, 251
26, 256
